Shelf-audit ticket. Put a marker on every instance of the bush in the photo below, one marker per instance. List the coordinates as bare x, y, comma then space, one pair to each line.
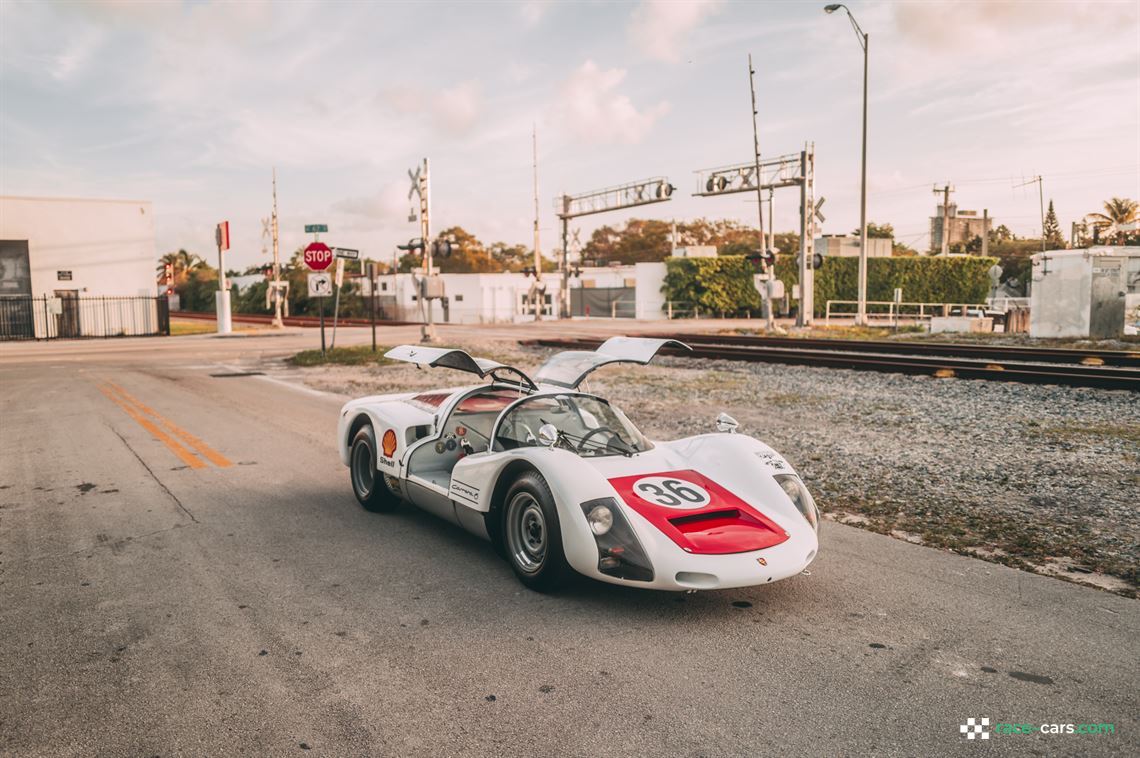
714, 285
928, 280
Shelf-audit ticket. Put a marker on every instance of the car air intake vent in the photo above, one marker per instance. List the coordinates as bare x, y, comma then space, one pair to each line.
696, 518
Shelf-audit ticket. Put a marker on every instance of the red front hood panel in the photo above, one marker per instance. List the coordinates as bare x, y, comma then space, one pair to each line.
698, 514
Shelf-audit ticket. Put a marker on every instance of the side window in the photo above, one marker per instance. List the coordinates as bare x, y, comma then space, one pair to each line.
519, 428
474, 417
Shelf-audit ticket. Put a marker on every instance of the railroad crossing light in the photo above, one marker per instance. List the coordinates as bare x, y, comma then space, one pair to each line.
763, 261
665, 189
413, 244
441, 248
721, 183
817, 260
169, 291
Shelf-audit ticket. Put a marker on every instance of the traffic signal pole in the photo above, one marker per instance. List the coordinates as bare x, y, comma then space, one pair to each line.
769, 319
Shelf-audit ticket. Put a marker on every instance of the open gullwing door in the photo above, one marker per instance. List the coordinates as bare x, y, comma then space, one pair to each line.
447, 357
569, 368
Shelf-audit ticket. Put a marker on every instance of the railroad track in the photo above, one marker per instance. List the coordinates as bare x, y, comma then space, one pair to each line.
305, 321
1089, 357
1101, 377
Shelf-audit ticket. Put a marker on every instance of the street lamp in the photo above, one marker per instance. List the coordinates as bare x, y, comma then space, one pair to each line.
861, 312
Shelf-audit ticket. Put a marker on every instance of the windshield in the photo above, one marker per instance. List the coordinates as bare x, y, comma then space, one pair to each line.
587, 425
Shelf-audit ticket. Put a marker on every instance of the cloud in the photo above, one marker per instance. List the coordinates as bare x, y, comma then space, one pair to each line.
593, 111
659, 27
532, 13
457, 108
389, 204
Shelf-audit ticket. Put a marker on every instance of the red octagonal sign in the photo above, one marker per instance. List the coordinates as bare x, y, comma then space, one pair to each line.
318, 256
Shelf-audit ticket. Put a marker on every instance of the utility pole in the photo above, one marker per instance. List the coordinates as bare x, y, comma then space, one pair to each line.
769, 319
1041, 199
946, 190
537, 294
277, 320
985, 232
534, 156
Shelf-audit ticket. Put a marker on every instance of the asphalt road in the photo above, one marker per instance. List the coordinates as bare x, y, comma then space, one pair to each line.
207, 585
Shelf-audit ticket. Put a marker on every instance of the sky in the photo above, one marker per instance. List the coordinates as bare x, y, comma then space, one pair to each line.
191, 105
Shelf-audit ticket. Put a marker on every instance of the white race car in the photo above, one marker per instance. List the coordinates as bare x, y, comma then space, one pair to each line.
559, 480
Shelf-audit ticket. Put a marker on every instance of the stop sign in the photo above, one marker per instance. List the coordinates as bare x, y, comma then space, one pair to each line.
318, 256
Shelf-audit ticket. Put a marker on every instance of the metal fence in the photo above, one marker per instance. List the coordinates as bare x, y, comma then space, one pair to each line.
49, 317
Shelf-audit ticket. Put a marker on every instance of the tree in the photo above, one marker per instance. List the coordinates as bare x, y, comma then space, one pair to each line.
1052, 231
182, 262
1117, 212
877, 231
1002, 234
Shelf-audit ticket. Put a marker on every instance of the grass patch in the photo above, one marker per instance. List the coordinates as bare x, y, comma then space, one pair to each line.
357, 355
971, 530
1125, 432
183, 328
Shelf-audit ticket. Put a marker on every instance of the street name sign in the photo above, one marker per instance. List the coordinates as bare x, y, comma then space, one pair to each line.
346, 252
316, 228
318, 256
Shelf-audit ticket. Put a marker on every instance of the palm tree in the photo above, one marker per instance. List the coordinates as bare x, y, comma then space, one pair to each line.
1117, 212
182, 262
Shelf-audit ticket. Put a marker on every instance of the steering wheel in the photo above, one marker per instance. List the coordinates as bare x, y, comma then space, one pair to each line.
586, 437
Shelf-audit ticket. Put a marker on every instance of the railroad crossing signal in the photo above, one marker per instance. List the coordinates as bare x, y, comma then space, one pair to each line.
416, 188
818, 213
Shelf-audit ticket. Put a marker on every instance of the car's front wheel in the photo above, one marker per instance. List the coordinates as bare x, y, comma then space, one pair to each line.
532, 535
367, 483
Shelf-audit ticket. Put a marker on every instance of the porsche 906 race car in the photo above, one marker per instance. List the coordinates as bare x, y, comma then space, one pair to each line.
559, 480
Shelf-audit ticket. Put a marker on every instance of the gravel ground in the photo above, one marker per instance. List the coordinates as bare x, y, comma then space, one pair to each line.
1040, 477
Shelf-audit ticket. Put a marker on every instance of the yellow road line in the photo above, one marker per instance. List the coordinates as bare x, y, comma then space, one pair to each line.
187, 457
213, 456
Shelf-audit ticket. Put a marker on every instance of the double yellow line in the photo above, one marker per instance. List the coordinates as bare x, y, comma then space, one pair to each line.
139, 412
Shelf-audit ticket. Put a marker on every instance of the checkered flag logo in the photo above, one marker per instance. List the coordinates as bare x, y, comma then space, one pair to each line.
975, 729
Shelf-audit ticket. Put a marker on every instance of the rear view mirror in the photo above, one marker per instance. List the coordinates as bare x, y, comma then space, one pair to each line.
725, 423
547, 435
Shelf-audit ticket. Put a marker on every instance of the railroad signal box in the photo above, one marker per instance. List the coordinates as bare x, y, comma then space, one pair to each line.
1092, 292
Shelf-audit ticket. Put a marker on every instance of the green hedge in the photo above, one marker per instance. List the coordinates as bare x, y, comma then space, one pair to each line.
714, 285
725, 284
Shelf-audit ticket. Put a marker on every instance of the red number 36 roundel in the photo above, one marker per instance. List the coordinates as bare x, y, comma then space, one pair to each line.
671, 492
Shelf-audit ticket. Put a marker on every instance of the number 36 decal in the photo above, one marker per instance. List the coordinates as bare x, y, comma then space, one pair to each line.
671, 492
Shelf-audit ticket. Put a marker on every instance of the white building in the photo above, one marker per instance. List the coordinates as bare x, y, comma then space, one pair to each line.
57, 255
1092, 292
632, 291
845, 246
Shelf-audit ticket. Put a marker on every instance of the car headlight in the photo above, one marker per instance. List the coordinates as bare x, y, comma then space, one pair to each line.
620, 553
601, 519
800, 497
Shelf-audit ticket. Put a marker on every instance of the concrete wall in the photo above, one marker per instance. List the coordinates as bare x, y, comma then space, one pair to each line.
472, 298
107, 245
650, 298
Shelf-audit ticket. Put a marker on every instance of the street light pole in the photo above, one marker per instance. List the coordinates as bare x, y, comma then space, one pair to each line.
864, 42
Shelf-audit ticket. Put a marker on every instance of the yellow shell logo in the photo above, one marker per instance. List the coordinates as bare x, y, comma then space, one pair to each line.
388, 444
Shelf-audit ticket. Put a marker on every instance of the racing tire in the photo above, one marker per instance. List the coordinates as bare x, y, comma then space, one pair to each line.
367, 484
532, 536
